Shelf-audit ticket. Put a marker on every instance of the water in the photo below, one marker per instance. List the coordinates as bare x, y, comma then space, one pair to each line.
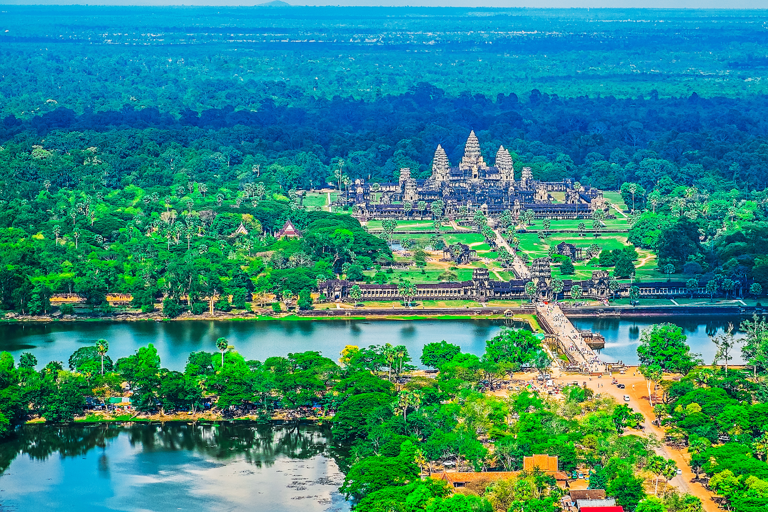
254, 340
259, 340
171, 467
623, 336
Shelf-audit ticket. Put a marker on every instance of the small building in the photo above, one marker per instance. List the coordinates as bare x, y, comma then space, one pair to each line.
587, 494
460, 253
288, 231
602, 503
602, 509
458, 480
241, 230
569, 250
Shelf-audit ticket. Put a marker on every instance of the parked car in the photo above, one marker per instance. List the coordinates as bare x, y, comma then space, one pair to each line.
626, 398
621, 386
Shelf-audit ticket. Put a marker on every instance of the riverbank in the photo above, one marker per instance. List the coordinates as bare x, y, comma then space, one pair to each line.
348, 312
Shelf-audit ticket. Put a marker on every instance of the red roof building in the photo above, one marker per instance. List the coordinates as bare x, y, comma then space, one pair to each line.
288, 231
602, 509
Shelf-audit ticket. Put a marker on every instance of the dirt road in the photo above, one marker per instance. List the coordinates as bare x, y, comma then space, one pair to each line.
637, 391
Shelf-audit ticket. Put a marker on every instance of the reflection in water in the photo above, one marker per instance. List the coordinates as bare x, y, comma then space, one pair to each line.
283, 468
253, 339
623, 336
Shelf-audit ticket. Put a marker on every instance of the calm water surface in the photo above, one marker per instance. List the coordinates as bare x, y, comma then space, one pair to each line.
171, 467
254, 340
623, 336
259, 340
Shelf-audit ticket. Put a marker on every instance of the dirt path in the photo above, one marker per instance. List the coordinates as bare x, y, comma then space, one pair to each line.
637, 390
617, 209
518, 266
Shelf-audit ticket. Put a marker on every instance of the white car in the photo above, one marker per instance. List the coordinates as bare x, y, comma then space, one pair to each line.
626, 398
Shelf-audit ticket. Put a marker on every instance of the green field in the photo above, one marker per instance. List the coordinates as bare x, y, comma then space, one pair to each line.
318, 200
409, 225
613, 224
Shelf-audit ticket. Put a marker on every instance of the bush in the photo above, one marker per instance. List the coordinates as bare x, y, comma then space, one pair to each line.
222, 304
276, 307
147, 308
171, 308
198, 308
67, 309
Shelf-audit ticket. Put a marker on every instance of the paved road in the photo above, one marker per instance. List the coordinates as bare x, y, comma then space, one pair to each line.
570, 338
519, 267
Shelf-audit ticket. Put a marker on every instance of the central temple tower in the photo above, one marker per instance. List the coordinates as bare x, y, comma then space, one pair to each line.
472, 161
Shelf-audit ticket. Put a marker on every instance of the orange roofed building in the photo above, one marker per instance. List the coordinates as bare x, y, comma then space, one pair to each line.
288, 231
542, 463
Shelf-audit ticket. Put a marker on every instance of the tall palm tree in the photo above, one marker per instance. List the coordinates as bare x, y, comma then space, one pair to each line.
222, 344
102, 347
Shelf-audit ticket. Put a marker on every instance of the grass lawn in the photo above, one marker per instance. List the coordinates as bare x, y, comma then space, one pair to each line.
315, 200
409, 225
615, 198
464, 238
555, 225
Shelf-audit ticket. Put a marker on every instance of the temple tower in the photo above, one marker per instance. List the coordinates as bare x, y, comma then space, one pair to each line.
441, 167
405, 175
505, 166
526, 178
472, 161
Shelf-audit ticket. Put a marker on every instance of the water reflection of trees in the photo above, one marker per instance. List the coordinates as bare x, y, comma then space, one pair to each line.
260, 445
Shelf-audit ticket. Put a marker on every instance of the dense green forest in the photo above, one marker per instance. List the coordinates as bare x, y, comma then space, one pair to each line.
129, 158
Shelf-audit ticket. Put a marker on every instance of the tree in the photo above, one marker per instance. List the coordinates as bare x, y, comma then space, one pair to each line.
436, 354
627, 489
222, 345
575, 292
582, 228
724, 343
634, 295
437, 209
652, 374
669, 269
530, 289
754, 349
756, 289
407, 291
613, 287
27, 360
664, 345
566, 267
624, 267
557, 287
355, 293
711, 288
102, 347
651, 504
598, 477
692, 285
662, 467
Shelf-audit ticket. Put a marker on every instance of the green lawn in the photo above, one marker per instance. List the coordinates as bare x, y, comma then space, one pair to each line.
409, 225
464, 238
615, 198
555, 225
316, 201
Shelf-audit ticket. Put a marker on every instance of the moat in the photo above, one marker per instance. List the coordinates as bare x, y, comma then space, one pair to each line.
259, 340
170, 467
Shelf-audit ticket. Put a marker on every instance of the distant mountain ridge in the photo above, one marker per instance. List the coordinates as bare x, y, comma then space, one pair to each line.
274, 3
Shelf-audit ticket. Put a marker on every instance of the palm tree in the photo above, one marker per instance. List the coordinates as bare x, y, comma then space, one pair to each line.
102, 347
222, 344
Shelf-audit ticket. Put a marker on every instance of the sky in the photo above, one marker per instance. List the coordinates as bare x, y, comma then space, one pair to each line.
674, 4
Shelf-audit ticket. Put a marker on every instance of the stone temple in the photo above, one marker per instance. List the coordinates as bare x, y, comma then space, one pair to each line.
470, 186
